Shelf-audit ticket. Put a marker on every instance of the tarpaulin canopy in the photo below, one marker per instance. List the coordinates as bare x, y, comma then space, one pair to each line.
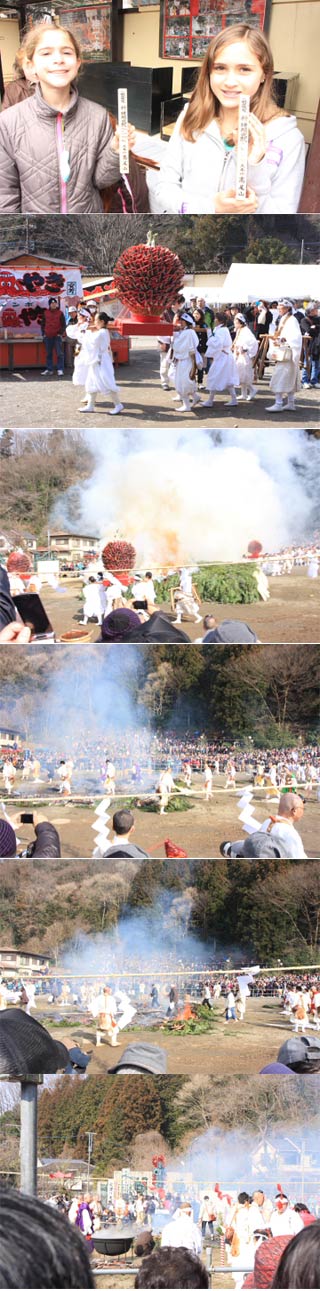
248, 282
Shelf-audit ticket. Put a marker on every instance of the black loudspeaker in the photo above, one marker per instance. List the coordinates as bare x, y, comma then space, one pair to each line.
146, 86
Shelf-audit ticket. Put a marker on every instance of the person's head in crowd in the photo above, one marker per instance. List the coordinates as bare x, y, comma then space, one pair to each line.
198, 316
21, 67
301, 1054
178, 303
53, 304
38, 1246
140, 1057
119, 624
300, 1262
258, 844
144, 1244
8, 841
172, 1266
123, 823
285, 307
291, 805
209, 622
231, 632
102, 320
266, 1260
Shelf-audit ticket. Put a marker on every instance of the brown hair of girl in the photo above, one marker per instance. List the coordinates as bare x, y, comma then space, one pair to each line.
31, 39
204, 106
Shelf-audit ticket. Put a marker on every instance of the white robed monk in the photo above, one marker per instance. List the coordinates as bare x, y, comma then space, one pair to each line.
285, 351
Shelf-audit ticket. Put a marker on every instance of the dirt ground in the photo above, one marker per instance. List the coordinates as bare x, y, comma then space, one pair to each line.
239, 1048
291, 614
29, 400
199, 830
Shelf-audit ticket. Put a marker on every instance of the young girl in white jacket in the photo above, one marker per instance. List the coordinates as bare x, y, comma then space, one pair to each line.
198, 175
94, 366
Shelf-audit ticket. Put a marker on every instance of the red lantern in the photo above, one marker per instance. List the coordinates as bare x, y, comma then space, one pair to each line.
147, 279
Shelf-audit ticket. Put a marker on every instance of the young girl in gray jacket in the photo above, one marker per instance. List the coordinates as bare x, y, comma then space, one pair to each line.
57, 150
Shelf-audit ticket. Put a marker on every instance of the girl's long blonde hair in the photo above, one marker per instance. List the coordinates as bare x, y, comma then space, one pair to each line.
204, 105
31, 40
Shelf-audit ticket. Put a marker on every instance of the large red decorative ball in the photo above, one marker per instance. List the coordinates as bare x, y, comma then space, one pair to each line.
118, 556
254, 548
148, 279
19, 563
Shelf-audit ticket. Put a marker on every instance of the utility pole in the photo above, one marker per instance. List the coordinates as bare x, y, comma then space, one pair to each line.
90, 1137
302, 251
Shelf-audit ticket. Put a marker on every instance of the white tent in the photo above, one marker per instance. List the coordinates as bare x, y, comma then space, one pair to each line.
246, 282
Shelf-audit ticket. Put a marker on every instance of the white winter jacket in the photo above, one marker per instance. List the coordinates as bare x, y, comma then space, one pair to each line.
192, 173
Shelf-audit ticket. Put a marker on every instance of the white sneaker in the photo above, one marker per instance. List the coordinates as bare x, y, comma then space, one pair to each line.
208, 403
231, 403
60, 372
177, 623
275, 407
196, 400
86, 409
46, 373
181, 407
176, 398
118, 408
164, 387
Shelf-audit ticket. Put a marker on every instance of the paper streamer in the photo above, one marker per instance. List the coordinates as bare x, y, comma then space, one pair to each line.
123, 132
243, 145
101, 829
246, 815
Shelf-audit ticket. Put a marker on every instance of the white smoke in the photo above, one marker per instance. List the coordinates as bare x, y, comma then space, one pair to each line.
197, 496
244, 1159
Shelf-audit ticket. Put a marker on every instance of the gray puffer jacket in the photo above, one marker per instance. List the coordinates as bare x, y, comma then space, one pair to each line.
29, 156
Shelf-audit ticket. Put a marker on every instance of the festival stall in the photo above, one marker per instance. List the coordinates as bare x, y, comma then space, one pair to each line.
26, 283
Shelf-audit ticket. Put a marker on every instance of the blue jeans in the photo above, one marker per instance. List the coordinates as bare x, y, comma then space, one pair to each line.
315, 371
54, 343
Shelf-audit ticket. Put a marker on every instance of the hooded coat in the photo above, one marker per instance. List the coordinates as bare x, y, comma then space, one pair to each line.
192, 173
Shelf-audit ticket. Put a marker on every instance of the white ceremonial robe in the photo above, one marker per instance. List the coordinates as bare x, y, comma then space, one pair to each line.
185, 345
286, 375
98, 353
77, 332
245, 348
223, 371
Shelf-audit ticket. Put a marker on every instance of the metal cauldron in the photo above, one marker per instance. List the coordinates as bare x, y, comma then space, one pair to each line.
111, 1243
